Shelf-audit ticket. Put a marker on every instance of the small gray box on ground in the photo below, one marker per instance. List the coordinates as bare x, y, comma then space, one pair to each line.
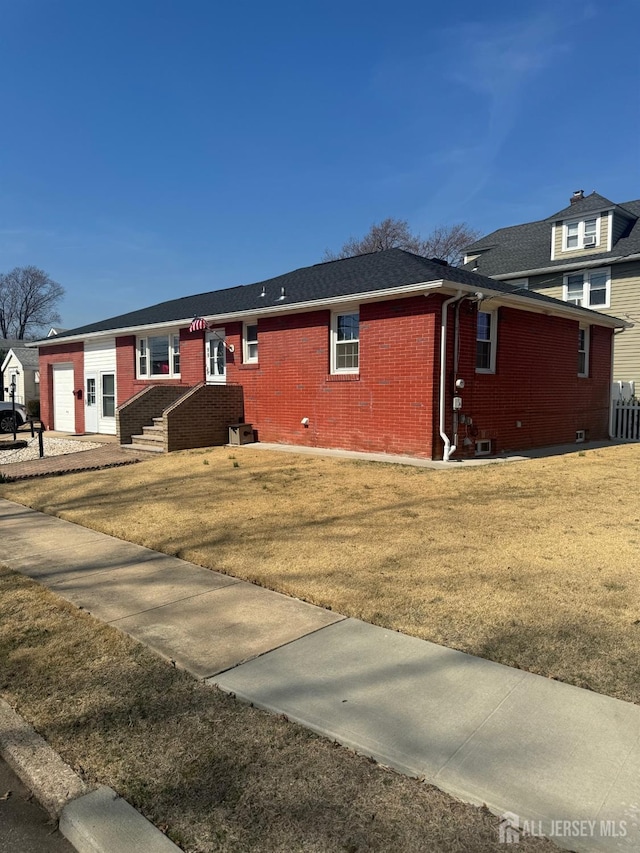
241, 434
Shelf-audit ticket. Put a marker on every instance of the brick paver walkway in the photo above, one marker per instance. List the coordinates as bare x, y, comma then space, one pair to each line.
107, 456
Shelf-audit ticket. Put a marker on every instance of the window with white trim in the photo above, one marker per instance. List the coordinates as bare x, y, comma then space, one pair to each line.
345, 349
583, 350
588, 288
486, 330
250, 342
158, 356
581, 234
108, 395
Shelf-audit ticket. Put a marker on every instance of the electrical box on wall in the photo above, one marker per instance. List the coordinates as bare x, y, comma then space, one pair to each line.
457, 403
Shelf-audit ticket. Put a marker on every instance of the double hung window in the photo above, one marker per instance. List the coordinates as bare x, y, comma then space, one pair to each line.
159, 356
583, 351
345, 334
581, 234
250, 343
486, 341
589, 288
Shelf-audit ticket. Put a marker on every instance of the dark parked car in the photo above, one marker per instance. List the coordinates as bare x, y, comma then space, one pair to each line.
6, 415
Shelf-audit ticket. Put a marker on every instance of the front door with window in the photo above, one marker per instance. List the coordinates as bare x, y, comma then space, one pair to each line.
90, 407
216, 367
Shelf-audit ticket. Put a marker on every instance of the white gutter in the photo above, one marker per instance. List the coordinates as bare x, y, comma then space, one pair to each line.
448, 448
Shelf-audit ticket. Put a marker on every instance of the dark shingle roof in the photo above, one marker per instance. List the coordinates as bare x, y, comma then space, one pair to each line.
321, 282
528, 247
589, 204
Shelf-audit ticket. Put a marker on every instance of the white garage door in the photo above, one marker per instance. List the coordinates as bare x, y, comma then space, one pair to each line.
63, 399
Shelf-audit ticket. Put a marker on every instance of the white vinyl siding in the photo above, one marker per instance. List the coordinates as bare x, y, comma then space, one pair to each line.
100, 363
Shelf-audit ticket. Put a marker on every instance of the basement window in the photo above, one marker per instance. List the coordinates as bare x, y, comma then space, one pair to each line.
483, 447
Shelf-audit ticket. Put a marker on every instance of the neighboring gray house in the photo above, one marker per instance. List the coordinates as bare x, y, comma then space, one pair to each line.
588, 254
22, 362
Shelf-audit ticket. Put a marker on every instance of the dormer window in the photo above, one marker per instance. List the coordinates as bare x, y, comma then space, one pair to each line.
581, 234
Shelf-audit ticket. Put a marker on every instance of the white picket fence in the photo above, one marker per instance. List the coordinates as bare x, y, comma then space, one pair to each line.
626, 420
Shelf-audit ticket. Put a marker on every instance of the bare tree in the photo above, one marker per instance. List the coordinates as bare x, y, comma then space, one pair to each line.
446, 241
28, 302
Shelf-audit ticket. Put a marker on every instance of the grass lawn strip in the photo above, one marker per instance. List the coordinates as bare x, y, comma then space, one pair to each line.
216, 775
532, 564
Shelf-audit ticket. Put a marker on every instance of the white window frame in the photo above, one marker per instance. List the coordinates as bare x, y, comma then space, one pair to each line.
583, 348
215, 338
335, 343
580, 224
587, 276
248, 342
101, 413
491, 340
143, 355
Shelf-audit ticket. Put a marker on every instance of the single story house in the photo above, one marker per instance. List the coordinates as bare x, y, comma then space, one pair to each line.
21, 362
384, 352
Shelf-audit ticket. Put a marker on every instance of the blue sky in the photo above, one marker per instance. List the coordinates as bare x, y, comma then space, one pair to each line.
158, 148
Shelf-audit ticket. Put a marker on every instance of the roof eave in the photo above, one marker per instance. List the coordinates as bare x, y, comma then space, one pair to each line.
556, 308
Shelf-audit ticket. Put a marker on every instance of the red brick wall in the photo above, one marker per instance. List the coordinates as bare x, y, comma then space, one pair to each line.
191, 364
392, 405
61, 354
536, 382
387, 408
201, 417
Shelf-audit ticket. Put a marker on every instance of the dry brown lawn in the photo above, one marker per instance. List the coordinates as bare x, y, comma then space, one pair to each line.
215, 774
533, 564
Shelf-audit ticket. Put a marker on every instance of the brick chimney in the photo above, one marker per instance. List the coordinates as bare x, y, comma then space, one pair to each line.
578, 195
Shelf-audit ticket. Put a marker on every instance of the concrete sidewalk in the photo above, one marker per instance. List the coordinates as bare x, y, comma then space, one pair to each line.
563, 759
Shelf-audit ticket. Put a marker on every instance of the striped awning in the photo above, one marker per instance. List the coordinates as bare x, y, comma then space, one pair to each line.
198, 325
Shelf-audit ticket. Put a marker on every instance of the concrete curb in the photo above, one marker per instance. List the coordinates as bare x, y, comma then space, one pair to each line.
97, 821
53, 782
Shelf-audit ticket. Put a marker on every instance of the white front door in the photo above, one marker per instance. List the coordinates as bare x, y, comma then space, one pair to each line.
90, 404
216, 368
64, 414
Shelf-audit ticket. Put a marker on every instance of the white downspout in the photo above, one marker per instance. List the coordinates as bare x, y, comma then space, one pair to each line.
448, 449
